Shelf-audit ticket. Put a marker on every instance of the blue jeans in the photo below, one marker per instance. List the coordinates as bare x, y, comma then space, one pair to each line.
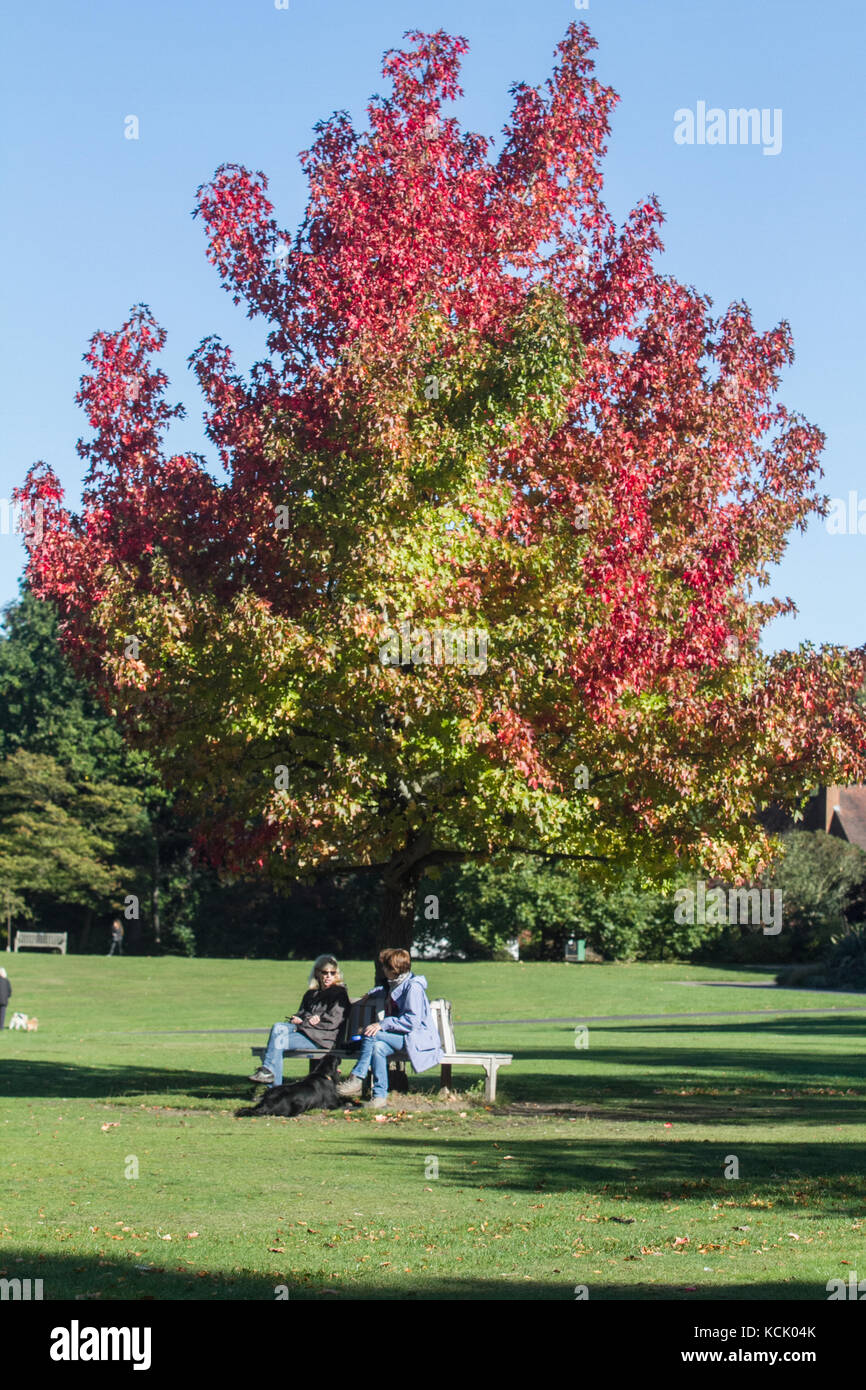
284, 1035
375, 1052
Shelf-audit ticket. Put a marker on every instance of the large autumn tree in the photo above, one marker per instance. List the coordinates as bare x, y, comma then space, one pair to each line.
482, 410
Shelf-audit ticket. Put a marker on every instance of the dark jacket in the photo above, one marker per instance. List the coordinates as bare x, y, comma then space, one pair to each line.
331, 1005
5, 992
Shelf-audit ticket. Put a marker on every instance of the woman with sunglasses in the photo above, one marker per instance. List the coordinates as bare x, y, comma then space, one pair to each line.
316, 1025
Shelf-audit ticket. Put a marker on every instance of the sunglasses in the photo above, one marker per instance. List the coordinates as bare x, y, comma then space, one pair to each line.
327, 972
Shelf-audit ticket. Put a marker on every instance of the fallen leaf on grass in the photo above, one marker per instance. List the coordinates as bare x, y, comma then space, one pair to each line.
112, 1124
681, 1240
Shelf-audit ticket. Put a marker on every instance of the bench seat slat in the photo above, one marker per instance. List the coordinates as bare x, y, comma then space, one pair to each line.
475, 1058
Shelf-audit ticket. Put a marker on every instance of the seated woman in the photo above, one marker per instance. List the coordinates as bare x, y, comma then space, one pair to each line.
316, 1025
408, 1027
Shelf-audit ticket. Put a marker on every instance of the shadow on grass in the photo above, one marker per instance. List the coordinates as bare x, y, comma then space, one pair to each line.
692, 1080
827, 1178
37, 1080
748, 1081
99, 1282
846, 1025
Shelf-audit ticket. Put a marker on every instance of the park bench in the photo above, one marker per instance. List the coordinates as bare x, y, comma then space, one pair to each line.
490, 1061
42, 940
362, 1013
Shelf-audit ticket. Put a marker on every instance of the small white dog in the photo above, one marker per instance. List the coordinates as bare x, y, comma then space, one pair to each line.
20, 1020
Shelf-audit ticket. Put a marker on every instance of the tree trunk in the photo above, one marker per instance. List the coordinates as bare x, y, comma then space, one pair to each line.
397, 922
85, 931
400, 879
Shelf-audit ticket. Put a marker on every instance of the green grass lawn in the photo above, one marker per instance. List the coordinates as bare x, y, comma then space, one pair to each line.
126, 1175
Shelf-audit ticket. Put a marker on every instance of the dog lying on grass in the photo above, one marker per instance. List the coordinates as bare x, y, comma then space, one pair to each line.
318, 1091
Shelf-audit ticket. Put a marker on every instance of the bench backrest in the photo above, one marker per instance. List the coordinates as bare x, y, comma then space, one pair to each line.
40, 938
360, 1014
441, 1010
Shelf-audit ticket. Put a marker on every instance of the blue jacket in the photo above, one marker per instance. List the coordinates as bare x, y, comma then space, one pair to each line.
414, 1019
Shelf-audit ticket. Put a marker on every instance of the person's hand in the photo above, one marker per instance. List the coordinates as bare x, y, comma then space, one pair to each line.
295, 1019
371, 1030
314, 1020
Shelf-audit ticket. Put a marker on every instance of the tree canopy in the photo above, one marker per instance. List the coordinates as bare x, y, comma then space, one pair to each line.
483, 414
66, 842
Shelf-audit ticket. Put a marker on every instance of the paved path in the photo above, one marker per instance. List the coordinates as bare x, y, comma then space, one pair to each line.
586, 1018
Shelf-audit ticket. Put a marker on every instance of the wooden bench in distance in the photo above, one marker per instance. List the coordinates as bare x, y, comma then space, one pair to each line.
43, 940
490, 1061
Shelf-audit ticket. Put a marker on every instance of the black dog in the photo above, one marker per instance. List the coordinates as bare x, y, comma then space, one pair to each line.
318, 1091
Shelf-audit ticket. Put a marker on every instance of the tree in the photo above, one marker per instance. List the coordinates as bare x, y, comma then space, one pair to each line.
484, 420
481, 908
45, 709
65, 843
822, 880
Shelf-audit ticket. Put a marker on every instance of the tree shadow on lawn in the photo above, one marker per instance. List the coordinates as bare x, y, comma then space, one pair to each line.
755, 1084
37, 1080
693, 1094
853, 1025
815, 1179
640, 1081
83, 1279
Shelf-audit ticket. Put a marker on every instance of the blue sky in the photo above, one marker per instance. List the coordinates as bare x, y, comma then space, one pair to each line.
96, 223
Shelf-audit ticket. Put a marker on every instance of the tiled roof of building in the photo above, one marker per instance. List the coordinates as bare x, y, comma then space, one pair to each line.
847, 814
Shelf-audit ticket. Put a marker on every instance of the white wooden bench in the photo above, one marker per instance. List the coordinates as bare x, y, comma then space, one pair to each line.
362, 1013
43, 940
490, 1061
